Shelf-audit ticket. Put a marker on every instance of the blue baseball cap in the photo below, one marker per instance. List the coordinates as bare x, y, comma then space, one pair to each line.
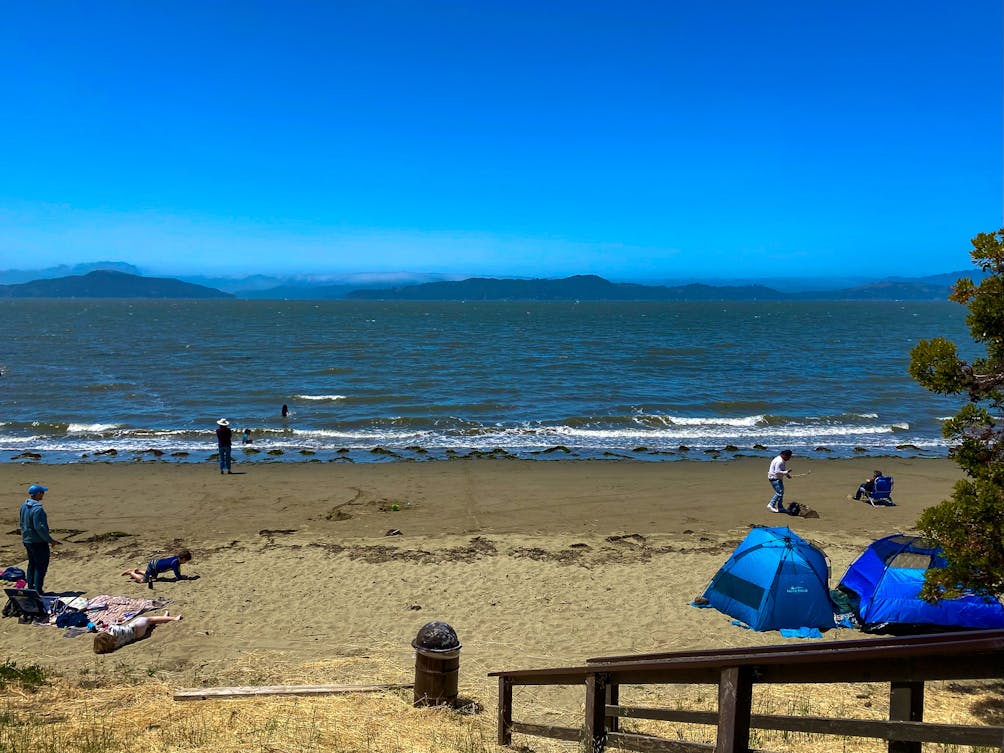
36, 488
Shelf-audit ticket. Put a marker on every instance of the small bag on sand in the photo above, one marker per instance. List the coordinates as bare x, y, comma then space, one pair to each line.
802, 510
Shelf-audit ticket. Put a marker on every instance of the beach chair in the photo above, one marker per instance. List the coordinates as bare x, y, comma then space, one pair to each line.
31, 607
881, 493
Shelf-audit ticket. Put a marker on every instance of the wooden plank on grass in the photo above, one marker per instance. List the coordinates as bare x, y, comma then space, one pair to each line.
202, 694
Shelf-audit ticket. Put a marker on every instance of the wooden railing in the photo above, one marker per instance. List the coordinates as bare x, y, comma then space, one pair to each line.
905, 663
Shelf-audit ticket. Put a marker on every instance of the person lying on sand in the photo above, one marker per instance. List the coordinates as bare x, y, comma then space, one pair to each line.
117, 636
157, 567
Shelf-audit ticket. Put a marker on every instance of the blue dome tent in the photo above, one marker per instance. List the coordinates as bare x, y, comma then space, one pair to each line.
774, 579
884, 584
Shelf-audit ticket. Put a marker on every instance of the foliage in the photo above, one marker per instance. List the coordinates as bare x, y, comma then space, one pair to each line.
29, 677
970, 525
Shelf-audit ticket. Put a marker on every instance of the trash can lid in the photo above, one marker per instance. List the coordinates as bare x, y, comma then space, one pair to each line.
436, 636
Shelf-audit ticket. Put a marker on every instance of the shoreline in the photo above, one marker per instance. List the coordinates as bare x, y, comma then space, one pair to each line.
418, 454
532, 563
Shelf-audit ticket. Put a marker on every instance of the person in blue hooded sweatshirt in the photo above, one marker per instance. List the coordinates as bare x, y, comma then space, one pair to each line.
35, 535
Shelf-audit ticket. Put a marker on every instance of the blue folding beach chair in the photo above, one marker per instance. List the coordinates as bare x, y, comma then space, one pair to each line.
881, 493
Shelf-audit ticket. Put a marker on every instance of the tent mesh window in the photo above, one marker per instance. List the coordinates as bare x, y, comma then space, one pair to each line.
911, 560
741, 590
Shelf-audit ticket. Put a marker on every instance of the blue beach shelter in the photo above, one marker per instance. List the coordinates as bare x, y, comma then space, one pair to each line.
774, 579
884, 584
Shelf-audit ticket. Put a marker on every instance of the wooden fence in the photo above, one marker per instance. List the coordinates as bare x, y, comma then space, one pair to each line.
905, 663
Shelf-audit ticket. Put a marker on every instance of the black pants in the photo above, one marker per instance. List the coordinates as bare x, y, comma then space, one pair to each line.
38, 564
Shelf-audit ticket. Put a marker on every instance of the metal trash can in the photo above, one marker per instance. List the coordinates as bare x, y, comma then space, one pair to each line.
437, 665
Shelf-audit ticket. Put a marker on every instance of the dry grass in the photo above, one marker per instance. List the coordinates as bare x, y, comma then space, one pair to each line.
118, 711
144, 718
121, 710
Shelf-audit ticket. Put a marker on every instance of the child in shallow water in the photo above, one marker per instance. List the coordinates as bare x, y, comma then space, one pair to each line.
117, 636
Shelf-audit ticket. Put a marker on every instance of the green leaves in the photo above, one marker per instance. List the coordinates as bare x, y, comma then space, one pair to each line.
935, 364
970, 528
970, 525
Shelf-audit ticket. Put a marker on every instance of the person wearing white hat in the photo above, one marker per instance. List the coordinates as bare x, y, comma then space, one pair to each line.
34, 524
223, 438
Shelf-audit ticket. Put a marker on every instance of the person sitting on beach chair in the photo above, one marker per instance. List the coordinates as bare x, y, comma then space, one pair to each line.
117, 636
881, 493
157, 567
866, 486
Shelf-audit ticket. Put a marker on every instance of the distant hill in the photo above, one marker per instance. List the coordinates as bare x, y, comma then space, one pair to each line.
930, 288
15, 276
327, 287
945, 278
882, 291
578, 287
300, 292
310, 287
109, 284
593, 288
792, 284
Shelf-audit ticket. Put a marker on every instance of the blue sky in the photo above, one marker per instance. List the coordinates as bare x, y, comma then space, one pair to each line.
635, 140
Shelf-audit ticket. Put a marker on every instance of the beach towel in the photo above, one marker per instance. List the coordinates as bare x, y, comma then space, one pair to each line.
116, 610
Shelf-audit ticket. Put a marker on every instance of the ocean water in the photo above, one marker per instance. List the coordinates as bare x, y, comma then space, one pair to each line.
131, 380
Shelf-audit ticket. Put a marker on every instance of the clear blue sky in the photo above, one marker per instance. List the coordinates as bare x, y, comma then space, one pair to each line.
635, 140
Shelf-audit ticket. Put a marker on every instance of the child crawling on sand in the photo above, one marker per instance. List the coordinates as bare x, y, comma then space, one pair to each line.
158, 567
117, 636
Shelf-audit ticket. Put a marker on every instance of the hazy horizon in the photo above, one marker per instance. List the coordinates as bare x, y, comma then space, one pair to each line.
258, 281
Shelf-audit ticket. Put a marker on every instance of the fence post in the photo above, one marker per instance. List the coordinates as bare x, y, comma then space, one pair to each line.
906, 704
735, 700
613, 699
505, 710
596, 710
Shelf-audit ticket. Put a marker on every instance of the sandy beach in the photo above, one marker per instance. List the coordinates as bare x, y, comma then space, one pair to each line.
532, 563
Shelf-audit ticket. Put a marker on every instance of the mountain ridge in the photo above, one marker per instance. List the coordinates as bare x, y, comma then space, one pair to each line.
592, 287
576, 287
108, 283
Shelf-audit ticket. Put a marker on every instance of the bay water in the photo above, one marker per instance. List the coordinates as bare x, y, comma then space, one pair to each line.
132, 380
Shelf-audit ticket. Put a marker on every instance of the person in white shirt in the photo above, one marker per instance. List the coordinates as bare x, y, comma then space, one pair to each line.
778, 471
111, 637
